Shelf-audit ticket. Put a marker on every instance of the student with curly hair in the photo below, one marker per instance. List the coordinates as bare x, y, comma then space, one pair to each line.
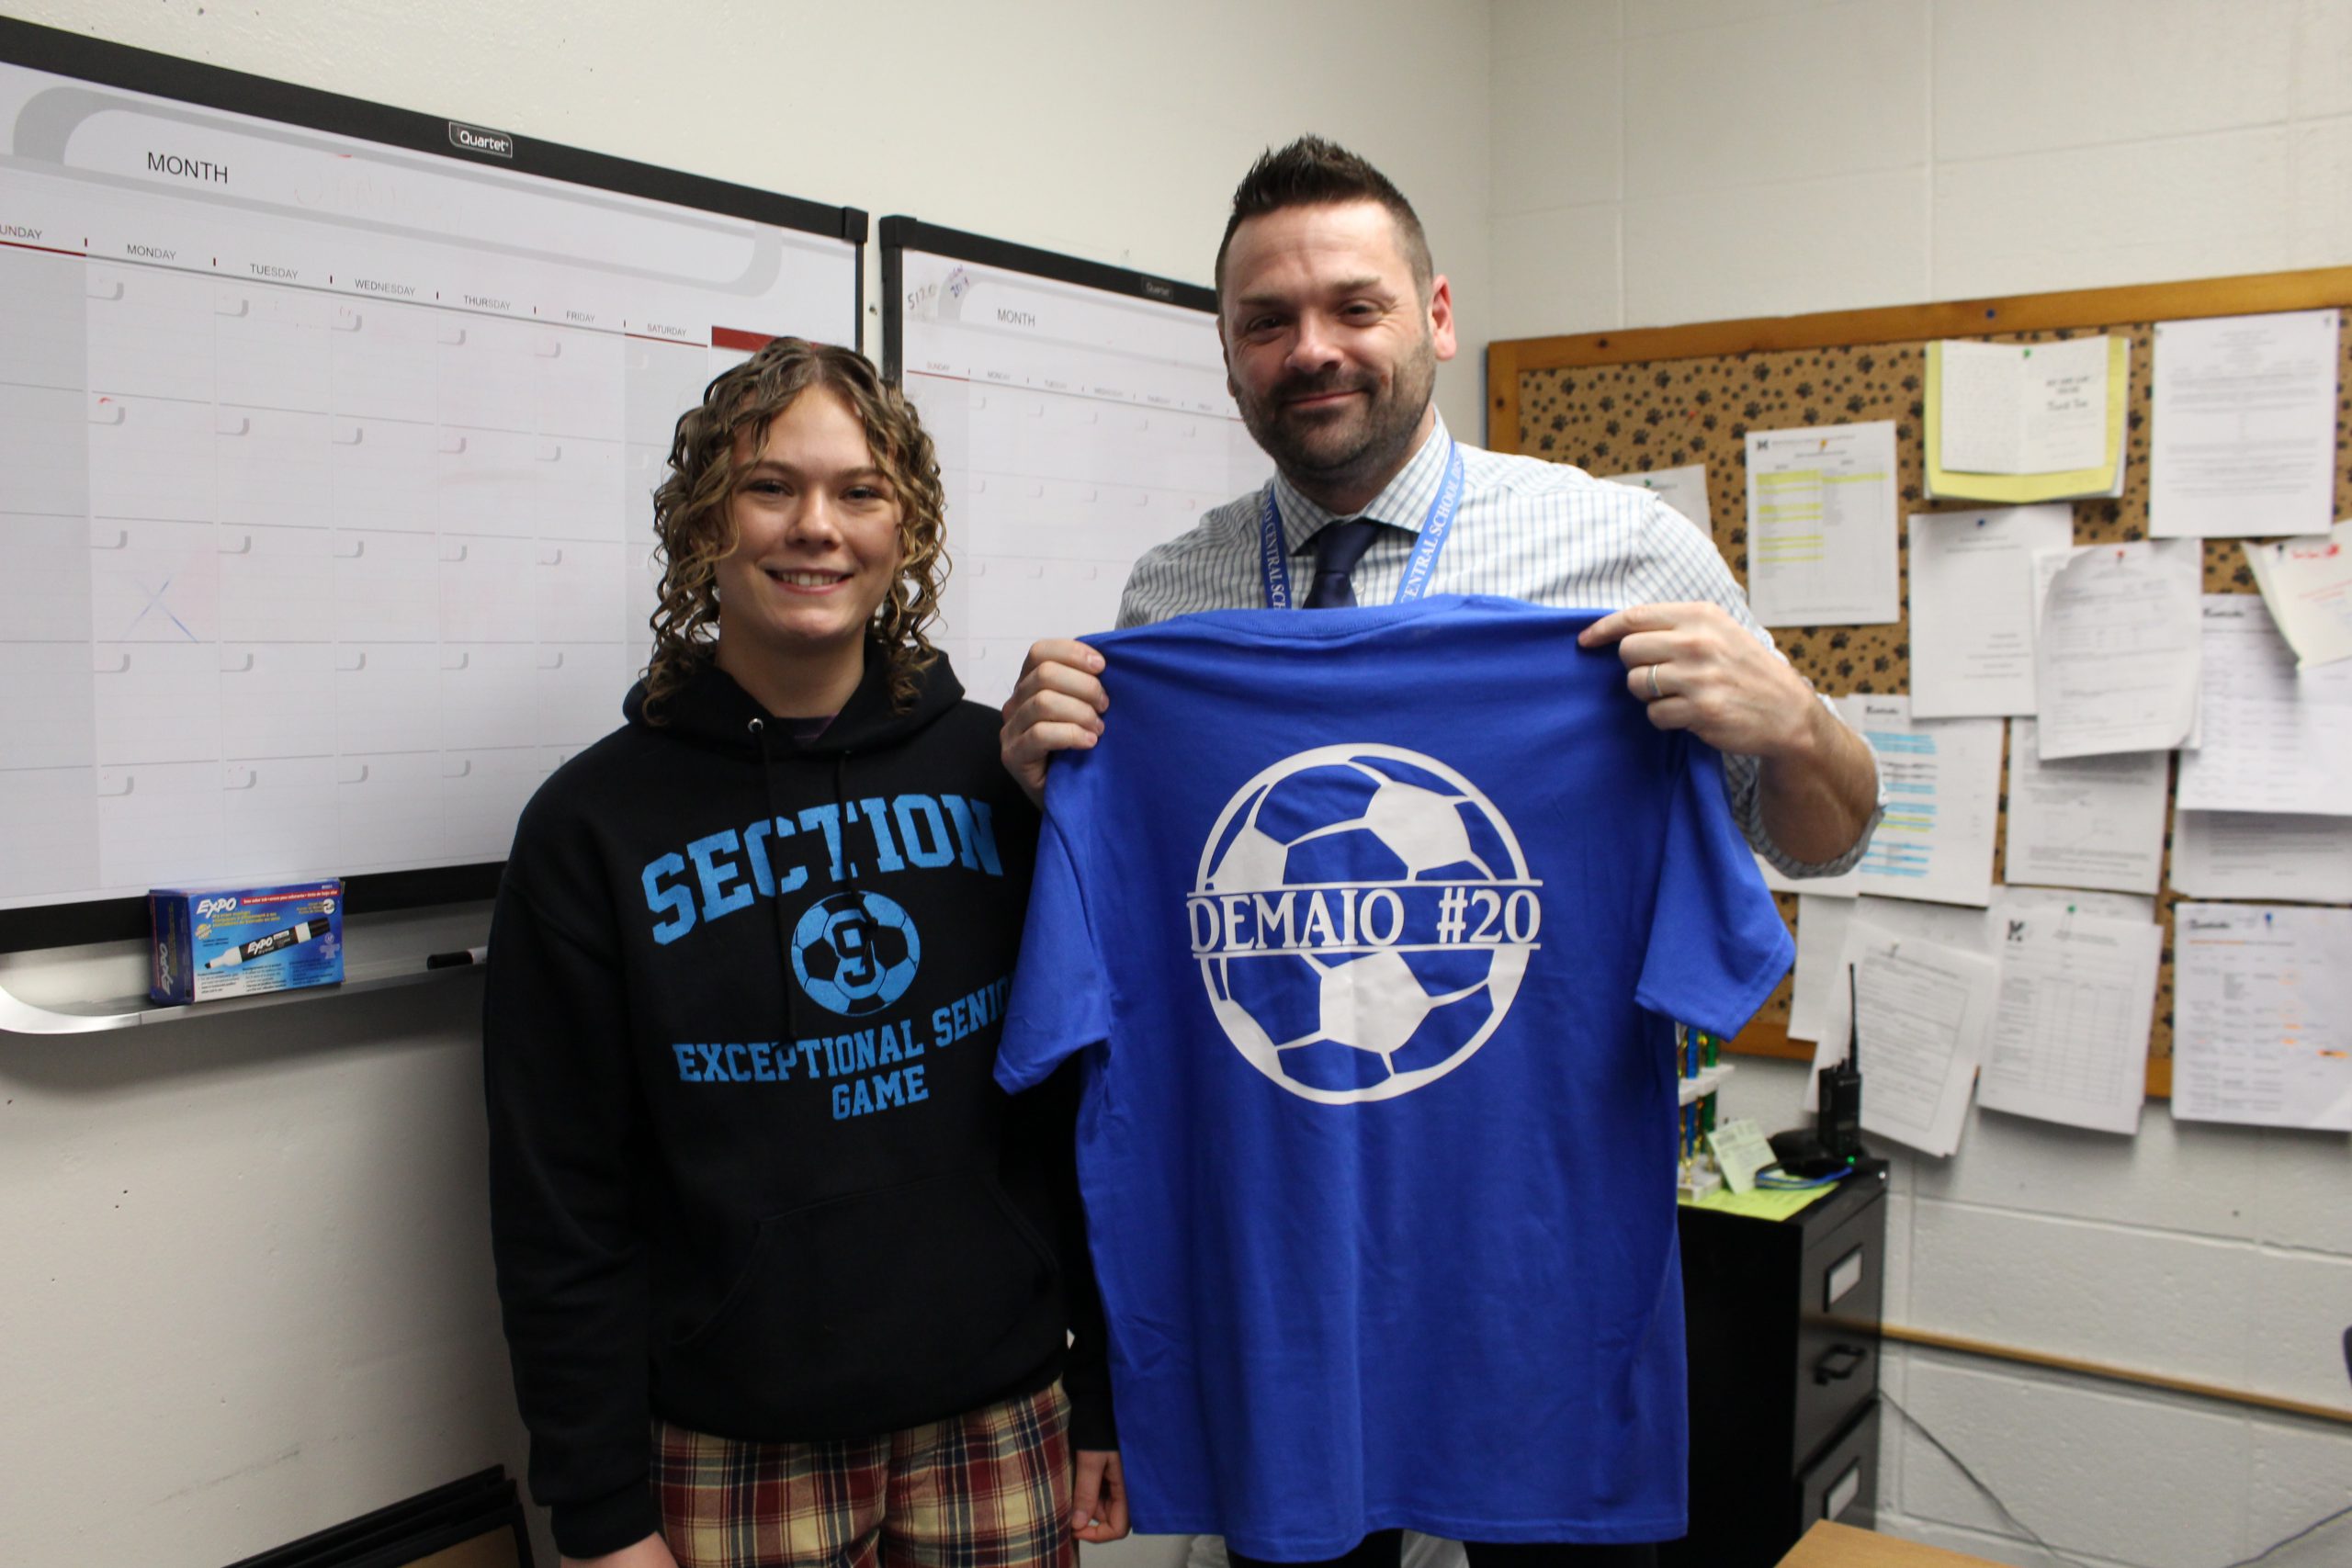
785, 1278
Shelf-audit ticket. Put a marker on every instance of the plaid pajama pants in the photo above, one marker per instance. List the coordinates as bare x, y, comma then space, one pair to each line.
990, 1489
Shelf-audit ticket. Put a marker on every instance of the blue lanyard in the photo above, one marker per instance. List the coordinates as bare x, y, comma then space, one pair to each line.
1435, 527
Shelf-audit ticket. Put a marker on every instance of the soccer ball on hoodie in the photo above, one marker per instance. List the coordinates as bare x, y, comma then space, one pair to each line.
855, 952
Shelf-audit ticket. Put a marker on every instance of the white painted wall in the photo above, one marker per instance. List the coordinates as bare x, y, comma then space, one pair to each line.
248, 1290
1670, 161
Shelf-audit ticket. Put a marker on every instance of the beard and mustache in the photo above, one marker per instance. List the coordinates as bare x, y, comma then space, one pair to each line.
1351, 442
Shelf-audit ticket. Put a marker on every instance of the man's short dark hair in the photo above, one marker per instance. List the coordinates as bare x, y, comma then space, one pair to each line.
1312, 171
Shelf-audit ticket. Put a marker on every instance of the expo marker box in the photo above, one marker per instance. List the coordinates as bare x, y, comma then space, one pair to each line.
239, 942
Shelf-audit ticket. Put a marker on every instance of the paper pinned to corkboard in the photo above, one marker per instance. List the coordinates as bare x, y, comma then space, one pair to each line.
1652, 399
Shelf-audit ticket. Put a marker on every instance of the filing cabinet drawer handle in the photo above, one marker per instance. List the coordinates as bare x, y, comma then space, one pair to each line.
1838, 1363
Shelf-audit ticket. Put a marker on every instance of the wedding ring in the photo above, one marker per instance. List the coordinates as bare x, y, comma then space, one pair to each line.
1654, 693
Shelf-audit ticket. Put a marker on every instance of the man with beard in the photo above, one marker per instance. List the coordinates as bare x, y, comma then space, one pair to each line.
1333, 320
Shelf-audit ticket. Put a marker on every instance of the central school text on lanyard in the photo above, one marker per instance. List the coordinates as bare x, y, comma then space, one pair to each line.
1434, 529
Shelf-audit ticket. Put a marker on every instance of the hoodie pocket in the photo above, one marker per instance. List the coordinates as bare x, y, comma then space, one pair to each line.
853, 1312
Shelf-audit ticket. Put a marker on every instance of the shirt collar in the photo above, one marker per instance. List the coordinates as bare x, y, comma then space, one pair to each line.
1403, 502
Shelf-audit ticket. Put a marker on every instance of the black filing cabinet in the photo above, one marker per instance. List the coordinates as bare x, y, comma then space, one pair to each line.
1784, 1320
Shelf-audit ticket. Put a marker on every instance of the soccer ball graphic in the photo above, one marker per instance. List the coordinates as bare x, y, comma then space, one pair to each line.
855, 952
1363, 917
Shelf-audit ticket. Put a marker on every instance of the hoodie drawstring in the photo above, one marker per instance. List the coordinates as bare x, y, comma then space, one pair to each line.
757, 727
840, 812
758, 730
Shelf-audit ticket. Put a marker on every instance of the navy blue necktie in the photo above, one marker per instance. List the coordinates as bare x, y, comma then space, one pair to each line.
1338, 548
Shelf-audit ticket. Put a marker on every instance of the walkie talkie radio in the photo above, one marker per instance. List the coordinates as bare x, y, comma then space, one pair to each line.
1834, 1143
1838, 1123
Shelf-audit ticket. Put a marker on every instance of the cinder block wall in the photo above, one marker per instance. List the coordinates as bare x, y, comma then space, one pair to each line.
2221, 1254
1670, 161
1667, 161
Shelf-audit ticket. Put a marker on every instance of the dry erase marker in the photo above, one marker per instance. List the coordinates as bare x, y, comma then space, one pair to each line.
457, 958
300, 932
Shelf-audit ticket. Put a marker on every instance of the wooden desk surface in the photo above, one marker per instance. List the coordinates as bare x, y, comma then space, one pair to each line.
1828, 1545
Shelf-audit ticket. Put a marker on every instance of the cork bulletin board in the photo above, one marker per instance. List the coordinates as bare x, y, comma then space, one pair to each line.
1659, 398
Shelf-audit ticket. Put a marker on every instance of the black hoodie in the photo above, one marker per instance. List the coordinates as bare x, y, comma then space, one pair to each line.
749, 1170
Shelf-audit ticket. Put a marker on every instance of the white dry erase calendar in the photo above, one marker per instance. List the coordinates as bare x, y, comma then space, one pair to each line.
1081, 417
327, 437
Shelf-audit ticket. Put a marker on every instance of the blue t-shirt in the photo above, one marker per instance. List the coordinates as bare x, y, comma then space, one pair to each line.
1373, 923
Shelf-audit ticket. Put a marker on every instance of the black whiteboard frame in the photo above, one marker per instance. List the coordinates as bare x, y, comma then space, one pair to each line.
125, 69
900, 234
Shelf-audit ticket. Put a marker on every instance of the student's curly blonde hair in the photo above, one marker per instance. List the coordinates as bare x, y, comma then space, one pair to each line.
695, 522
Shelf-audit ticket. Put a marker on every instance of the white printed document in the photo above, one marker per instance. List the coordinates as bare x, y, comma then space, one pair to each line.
2024, 408
1821, 534
1971, 607
2274, 738
1821, 936
2116, 643
2262, 1015
2008, 901
2308, 585
1821, 949
1943, 791
2087, 821
2253, 854
1926, 1011
2070, 1033
1684, 488
1843, 886
2242, 439
1741, 1152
